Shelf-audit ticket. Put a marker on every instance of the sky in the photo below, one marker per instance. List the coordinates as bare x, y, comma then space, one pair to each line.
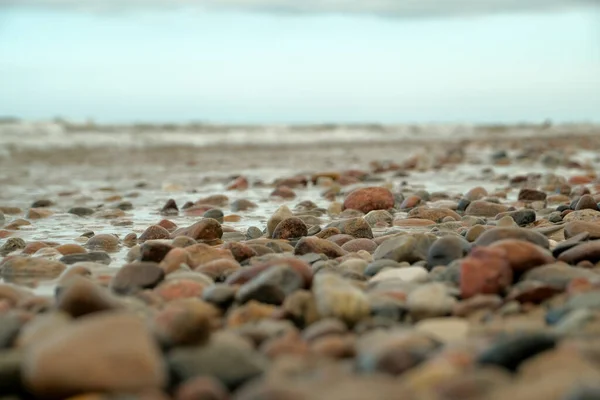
283, 61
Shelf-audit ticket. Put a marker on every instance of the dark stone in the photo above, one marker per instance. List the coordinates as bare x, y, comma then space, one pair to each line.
510, 352
271, 286
154, 251
41, 203
447, 249
531, 195
214, 213
93, 256
569, 243
170, 208
81, 211
221, 295
463, 204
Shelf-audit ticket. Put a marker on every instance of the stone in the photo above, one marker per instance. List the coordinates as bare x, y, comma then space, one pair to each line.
557, 275
215, 214
279, 215
314, 244
447, 249
521, 217
575, 228
136, 276
445, 330
241, 252
337, 298
588, 251
429, 301
582, 215
93, 256
355, 245
114, 350
170, 208
376, 266
229, 359
587, 202
218, 200
529, 195
184, 322
242, 205
174, 260
79, 296
81, 211
409, 248
71, 248
206, 229
12, 244
202, 253
19, 266
377, 218
369, 199
103, 242
522, 255
511, 352
485, 271
271, 286
433, 214
290, 228
154, 251
483, 208
154, 232
493, 235
408, 274
355, 227
219, 269
202, 388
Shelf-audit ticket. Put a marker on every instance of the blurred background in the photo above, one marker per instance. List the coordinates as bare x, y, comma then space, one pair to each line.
308, 62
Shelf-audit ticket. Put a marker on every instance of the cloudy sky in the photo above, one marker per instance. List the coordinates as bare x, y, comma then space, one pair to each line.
310, 61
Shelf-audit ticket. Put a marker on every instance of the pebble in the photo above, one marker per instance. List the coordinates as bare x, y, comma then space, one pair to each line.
485, 271
433, 214
93, 256
242, 205
493, 235
320, 246
447, 249
103, 242
408, 274
81, 211
356, 227
429, 301
290, 228
369, 199
18, 266
136, 276
279, 215
409, 248
586, 202
114, 350
482, 208
336, 298
154, 232
215, 214
206, 229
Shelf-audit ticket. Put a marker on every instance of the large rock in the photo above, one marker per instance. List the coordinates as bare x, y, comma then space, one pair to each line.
493, 235
485, 271
369, 199
206, 229
31, 266
483, 208
105, 352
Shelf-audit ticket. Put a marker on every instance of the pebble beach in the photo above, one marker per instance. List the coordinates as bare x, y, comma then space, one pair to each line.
201, 262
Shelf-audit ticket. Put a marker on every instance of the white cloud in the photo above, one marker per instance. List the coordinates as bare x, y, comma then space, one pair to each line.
392, 8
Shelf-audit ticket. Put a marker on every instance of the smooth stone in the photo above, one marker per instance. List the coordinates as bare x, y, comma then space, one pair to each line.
154, 232
369, 199
137, 276
447, 249
314, 244
408, 274
429, 301
493, 235
588, 251
292, 227
528, 195
12, 244
79, 296
521, 217
523, 256
93, 256
356, 227
409, 248
511, 352
379, 218
279, 215
355, 245
376, 266
433, 214
114, 351
271, 286
485, 271
570, 243
103, 242
582, 215
81, 211
19, 266
445, 330
577, 227
215, 214
184, 322
586, 202
483, 208
242, 205
206, 229
230, 359
337, 298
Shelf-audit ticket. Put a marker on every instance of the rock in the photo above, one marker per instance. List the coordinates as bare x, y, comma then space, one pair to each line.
355, 227
103, 242
557, 274
289, 228
170, 208
218, 200
81, 211
242, 205
93, 256
446, 330
376, 266
280, 214
219, 269
369, 199
429, 301
447, 249
521, 217
202, 388
588, 251
38, 213
12, 244
202, 253
271, 286
409, 248
485, 271
523, 256
215, 214
174, 289
575, 228
154, 251
136, 276
337, 298
493, 235
174, 260
206, 229
483, 208
433, 214
71, 248
582, 215
113, 349
408, 274
314, 244
410, 202
239, 183
184, 322
79, 296
587, 202
379, 218
229, 359
19, 266
477, 193
355, 245
529, 195
511, 352
154, 232
465, 308
283, 192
